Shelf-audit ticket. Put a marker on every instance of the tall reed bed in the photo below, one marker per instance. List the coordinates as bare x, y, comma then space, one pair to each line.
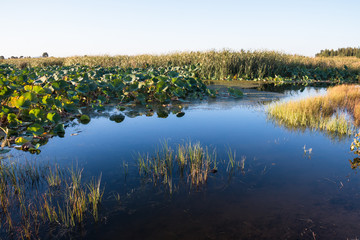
336, 112
218, 65
34, 197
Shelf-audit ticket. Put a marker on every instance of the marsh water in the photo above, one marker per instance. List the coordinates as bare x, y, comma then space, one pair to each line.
284, 190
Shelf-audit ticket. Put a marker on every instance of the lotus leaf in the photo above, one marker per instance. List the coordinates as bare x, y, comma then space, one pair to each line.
21, 140
234, 92
21, 102
118, 118
84, 119
59, 129
180, 114
36, 114
36, 129
53, 117
162, 113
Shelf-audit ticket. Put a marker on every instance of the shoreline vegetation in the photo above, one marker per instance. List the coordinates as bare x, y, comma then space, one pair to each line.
336, 112
39, 96
221, 65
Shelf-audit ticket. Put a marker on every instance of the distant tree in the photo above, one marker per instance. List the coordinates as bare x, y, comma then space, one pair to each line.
342, 52
45, 54
2, 57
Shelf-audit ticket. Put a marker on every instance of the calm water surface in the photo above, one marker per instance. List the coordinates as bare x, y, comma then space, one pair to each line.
282, 193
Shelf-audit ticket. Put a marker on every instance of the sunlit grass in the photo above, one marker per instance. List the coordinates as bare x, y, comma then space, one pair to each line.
220, 64
189, 160
331, 112
53, 178
95, 195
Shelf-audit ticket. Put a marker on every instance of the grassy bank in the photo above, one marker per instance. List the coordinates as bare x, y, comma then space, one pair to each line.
329, 113
219, 65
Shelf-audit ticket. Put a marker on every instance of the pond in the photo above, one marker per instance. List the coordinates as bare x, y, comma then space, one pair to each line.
289, 184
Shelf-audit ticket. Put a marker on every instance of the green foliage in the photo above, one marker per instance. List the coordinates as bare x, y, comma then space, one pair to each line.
53, 117
36, 129
40, 101
84, 119
234, 92
217, 65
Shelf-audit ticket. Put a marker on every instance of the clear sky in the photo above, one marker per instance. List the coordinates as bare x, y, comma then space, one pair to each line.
86, 27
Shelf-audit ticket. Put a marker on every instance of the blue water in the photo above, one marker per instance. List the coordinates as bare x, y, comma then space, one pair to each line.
283, 193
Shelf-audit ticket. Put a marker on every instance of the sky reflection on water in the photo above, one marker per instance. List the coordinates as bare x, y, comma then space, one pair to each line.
285, 193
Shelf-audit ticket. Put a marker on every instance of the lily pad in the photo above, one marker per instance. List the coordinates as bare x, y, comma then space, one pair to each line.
53, 117
59, 129
118, 118
84, 119
234, 92
162, 113
180, 114
21, 140
36, 129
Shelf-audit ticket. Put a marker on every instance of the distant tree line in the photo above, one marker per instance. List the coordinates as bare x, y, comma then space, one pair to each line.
44, 55
341, 52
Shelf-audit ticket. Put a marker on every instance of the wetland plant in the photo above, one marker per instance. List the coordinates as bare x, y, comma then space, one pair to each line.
38, 103
53, 178
219, 65
190, 160
35, 197
95, 195
331, 113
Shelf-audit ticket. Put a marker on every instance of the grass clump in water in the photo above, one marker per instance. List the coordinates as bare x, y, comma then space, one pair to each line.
191, 161
95, 195
54, 177
328, 113
34, 197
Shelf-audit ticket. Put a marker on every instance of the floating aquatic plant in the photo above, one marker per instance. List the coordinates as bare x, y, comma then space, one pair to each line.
37, 103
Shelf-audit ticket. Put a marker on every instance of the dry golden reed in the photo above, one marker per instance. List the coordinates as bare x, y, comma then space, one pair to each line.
326, 112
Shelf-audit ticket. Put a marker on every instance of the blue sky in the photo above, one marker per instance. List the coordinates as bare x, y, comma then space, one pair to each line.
77, 27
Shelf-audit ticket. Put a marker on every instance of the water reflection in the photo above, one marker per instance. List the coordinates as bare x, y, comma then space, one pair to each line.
334, 136
292, 87
270, 191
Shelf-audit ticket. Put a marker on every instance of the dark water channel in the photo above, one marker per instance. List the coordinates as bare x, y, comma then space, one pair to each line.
282, 192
